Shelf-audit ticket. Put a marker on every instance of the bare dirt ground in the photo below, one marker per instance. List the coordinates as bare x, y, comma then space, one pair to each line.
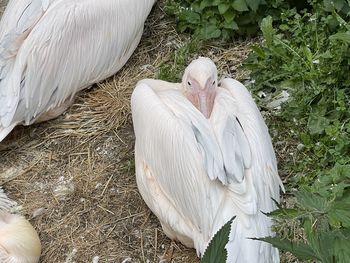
73, 177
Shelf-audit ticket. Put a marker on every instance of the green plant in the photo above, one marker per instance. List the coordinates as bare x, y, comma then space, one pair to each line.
209, 19
322, 212
310, 60
216, 252
308, 54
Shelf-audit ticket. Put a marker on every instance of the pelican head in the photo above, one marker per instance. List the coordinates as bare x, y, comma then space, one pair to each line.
199, 84
19, 242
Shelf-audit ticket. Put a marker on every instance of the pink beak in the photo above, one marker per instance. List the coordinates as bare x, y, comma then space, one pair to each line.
203, 99
206, 102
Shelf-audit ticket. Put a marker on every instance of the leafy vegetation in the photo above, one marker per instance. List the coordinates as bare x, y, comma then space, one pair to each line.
209, 19
216, 252
308, 55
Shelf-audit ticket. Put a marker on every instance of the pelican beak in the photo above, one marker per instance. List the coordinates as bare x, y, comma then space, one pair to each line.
206, 102
206, 99
202, 97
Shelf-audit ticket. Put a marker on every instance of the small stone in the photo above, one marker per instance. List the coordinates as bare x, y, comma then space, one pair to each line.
126, 260
38, 212
300, 146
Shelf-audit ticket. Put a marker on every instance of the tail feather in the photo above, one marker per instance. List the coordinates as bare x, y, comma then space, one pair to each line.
241, 248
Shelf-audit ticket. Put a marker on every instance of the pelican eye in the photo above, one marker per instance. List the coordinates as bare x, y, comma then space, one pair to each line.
213, 82
189, 83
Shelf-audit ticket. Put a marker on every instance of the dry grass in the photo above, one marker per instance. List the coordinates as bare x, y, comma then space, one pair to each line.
73, 177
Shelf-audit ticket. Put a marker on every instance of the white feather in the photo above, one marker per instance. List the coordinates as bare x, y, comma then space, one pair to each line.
19, 242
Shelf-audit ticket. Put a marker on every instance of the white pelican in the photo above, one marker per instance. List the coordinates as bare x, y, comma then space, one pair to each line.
19, 242
51, 49
203, 154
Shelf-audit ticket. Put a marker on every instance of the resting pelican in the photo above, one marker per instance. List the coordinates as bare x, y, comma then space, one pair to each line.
19, 242
51, 49
203, 154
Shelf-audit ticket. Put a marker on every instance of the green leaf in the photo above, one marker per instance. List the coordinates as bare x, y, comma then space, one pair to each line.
317, 124
345, 37
231, 25
339, 210
342, 247
210, 31
311, 201
338, 4
229, 16
191, 17
300, 249
283, 212
253, 4
307, 53
216, 252
223, 8
240, 5
267, 29
259, 51
325, 244
205, 3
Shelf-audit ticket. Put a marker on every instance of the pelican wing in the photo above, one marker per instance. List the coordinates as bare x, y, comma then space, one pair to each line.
263, 165
61, 47
176, 153
19, 17
250, 163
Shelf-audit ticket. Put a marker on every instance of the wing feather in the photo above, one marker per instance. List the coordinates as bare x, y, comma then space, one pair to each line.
171, 139
263, 161
246, 145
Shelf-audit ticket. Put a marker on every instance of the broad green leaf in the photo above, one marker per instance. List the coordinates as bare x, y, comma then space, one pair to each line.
345, 37
331, 4
340, 211
223, 8
259, 51
205, 3
210, 31
300, 249
191, 17
342, 247
229, 16
231, 25
284, 212
240, 5
311, 201
267, 29
328, 5
317, 124
307, 53
216, 252
338, 4
253, 4
326, 240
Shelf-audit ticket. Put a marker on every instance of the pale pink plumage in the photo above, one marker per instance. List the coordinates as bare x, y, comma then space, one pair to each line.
197, 173
51, 49
19, 242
